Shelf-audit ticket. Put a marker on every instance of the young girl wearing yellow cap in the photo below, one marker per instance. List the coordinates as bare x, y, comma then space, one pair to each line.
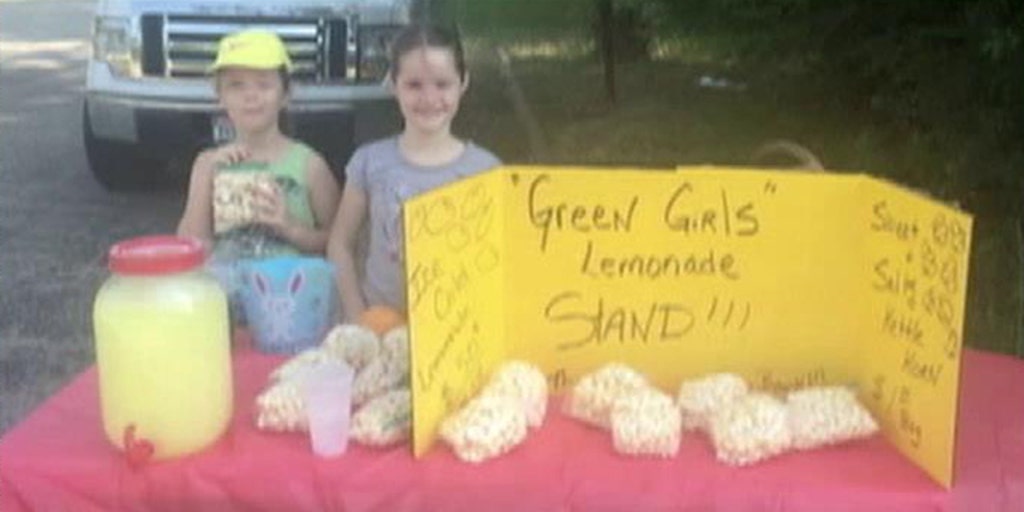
251, 79
292, 216
428, 76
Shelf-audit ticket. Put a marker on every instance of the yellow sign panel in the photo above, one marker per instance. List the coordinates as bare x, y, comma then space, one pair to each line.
681, 274
775, 275
913, 318
456, 287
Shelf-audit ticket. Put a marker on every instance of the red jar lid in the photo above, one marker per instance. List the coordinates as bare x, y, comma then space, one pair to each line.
158, 254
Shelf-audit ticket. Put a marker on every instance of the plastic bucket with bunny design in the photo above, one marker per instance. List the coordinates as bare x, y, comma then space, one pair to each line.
289, 302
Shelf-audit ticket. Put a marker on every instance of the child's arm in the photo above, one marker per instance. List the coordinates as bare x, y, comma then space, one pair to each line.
323, 199
197, 219
341, 249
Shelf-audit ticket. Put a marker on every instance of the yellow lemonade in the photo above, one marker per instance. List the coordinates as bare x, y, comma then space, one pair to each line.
164, 360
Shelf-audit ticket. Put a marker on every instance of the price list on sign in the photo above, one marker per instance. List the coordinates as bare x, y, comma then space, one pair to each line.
918, 272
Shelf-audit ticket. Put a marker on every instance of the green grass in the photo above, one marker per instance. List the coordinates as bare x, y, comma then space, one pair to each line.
662, 119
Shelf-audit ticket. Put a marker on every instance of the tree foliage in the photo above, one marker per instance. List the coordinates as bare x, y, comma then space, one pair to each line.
949, 70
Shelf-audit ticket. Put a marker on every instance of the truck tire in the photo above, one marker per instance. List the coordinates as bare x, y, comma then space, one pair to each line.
118, 167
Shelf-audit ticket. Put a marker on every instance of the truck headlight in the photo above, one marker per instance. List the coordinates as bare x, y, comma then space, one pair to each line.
374, 45
117, 41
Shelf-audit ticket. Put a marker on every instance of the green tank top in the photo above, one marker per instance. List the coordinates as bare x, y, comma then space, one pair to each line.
255, 241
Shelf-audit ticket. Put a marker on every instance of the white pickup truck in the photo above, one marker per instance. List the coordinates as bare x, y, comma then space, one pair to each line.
148, 98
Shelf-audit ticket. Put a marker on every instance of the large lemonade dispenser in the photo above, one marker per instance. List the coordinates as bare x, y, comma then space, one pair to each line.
163, 349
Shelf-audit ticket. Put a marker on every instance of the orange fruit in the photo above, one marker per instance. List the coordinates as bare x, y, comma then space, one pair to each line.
381, 319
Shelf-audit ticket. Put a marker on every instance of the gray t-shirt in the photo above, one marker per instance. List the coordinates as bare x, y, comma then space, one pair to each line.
388, 179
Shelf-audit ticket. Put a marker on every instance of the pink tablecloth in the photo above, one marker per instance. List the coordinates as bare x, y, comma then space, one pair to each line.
58, 459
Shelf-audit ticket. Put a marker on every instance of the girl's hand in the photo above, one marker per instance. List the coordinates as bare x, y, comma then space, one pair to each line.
230, 154
271, 209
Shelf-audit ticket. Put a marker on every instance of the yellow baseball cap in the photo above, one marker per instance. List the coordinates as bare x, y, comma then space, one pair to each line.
258, 49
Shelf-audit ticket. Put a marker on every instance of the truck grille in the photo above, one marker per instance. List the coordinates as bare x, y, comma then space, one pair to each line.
186, 45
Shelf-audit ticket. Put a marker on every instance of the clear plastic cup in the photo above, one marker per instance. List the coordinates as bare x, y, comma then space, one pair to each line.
327, 394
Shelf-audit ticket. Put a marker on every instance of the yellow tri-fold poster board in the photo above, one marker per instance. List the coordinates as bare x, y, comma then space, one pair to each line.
787, 278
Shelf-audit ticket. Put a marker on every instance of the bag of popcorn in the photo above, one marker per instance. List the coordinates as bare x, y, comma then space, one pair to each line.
698, 399
394, 346
591, 399
375, 379
353, 344
646, 422
234, 198
385, 420
486, 427
751, 428
527, 384
822, 416
280, 408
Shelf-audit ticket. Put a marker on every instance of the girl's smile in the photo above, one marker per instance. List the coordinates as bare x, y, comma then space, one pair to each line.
428, 88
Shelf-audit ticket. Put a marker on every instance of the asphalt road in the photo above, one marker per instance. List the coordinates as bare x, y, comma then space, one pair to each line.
56, 223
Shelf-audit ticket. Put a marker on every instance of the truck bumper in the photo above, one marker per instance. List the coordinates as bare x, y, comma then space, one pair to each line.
173, 118
167, 130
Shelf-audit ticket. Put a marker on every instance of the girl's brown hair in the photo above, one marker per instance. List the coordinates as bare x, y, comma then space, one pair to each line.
426, 35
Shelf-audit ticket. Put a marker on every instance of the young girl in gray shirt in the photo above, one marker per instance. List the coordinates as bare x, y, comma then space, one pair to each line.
429, 77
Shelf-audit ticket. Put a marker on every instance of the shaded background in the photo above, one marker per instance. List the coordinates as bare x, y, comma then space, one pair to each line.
926, 93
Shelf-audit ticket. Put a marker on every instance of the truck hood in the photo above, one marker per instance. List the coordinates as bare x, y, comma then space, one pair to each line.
370, 11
